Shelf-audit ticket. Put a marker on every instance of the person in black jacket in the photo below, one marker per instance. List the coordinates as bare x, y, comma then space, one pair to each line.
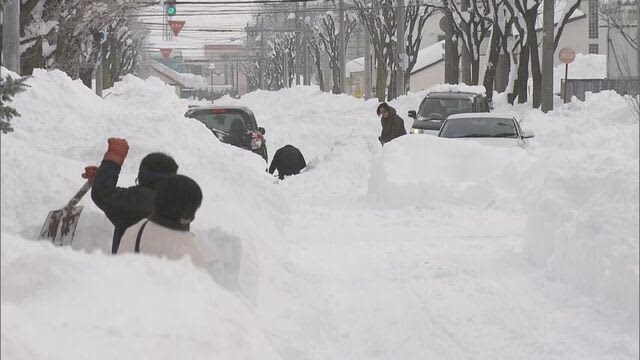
392, 123
288, 160
126, 206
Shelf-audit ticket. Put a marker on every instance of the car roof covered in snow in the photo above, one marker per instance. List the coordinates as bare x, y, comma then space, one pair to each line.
500, 115
450, 95
227, 107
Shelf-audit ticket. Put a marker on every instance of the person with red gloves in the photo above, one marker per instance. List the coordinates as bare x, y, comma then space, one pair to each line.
126, 206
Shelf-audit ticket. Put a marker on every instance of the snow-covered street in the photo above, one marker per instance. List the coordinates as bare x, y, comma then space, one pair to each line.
426, 248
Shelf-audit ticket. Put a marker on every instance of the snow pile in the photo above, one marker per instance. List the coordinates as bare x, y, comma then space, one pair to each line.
425, 247
581, 199
428, 171
63, 128
125, 309
576, 183
194, 81
474, 89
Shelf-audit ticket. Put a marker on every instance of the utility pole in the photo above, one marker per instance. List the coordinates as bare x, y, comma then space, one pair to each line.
307, 56
400, 49
341, 47
238, 76
298, 59
367, 64
307, 59
261, 57
547, 55
465, 60
98, 70
11, 36
285, 67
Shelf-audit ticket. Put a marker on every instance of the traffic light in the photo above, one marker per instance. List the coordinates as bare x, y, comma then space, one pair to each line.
171, 7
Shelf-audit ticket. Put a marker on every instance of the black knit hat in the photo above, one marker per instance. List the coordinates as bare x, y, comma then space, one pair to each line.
155, 167
178, 198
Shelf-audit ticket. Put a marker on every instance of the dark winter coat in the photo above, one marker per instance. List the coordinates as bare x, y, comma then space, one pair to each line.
288, 160
392, 126
123, 206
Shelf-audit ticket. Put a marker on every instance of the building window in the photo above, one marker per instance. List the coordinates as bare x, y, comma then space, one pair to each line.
593, 19
593, 48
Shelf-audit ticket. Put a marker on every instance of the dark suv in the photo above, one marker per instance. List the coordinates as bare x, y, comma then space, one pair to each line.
436, 106
233, 125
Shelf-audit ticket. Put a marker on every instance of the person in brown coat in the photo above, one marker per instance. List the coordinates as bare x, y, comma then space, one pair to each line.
392, 124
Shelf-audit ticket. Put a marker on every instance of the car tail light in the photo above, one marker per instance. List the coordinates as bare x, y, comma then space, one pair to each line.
218, 111
256, 140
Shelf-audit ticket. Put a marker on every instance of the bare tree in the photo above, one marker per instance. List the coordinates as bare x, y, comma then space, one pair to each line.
526, 20
330, 38
378, 17
72, 45
251, 70
282, 51
314, 45
471, 27
416, 16
613, 14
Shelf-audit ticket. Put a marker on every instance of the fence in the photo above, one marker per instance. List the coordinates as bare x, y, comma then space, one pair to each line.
578, 87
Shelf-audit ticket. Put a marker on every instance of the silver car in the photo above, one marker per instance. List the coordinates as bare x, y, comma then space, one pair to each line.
498, 129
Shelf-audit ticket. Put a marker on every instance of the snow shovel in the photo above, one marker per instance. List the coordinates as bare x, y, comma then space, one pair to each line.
60, 225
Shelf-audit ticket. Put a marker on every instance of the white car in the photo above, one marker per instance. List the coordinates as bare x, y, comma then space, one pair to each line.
498, 129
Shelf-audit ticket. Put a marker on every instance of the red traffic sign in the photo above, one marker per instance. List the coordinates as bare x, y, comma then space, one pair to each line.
165, 53
567, 55
176, 26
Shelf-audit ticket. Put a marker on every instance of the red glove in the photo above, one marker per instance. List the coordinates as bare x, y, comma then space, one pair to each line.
90, 173
118, 149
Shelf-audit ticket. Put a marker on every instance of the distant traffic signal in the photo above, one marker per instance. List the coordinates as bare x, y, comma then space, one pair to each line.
171, 7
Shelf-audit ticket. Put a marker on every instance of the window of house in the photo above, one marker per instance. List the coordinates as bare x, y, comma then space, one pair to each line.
593, 48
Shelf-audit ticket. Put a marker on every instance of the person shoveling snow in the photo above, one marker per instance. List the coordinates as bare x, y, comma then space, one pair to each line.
126, 206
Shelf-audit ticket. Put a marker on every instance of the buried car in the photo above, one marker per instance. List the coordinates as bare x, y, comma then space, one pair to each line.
235, 125
437, 106
499, 129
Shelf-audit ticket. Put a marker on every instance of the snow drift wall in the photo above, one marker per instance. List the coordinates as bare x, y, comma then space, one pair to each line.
63, 128
581, 199
576, 184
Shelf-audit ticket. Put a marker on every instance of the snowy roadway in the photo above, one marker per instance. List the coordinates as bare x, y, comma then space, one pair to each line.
414, 282
372, 254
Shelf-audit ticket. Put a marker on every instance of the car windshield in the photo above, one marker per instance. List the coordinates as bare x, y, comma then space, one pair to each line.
479, 127
223, 120
444, 107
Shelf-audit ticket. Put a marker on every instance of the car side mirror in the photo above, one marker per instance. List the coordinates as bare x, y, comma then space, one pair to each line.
412, 114
527, 134
261, 130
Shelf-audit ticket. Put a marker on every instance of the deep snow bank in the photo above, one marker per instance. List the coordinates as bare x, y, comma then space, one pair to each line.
64, 127
581, 199
425, 170
62, 304
576, 183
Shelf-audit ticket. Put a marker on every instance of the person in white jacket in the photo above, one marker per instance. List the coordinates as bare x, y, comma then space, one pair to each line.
166, 232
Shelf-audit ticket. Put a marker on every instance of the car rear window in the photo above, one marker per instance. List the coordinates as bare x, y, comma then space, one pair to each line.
223, 119
444, 107
478, 127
